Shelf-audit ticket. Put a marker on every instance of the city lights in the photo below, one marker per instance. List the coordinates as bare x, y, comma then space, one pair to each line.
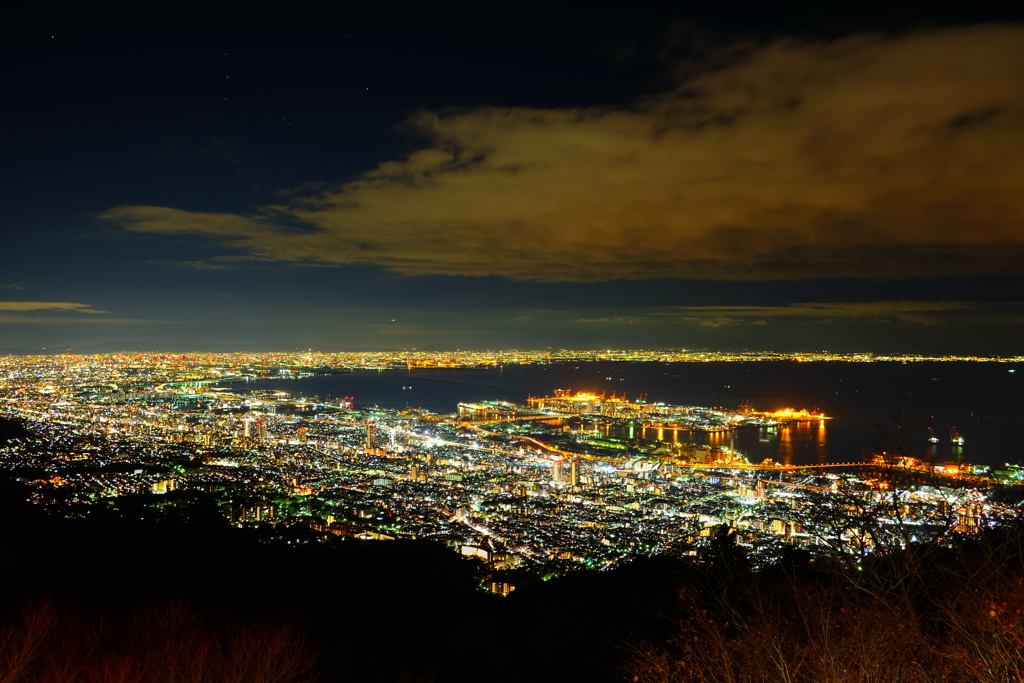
562, 483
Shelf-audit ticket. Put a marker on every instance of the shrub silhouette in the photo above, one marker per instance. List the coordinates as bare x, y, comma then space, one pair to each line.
957, 619
155, 643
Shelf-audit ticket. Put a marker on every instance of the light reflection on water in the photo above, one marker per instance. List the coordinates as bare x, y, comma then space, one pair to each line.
801, 443
982, 400
797, 443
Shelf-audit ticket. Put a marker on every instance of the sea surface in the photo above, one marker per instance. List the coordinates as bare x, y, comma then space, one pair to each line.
983, 401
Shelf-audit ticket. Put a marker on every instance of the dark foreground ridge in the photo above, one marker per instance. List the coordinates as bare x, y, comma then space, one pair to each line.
355, 610
109, 598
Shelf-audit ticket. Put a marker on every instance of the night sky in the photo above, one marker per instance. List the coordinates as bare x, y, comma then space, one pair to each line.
745, 176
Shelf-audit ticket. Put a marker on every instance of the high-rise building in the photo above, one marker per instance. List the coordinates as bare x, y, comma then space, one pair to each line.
414, 472
261, 429
556, 473
163, 486
247, 428
574, 474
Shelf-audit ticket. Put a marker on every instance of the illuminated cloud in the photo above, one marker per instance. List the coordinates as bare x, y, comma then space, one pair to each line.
725, 321
51, 320
13, 312
913, 312
617, 320
905, 312
46, 306
870, 156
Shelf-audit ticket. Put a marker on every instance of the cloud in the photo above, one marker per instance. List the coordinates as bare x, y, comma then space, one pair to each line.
46, 306
913, 312
10, 310
50, 320
618, 320
906, 312
869, 156
724, 321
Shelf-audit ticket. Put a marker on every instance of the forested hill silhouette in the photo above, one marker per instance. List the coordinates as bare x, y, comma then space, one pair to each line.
369, 610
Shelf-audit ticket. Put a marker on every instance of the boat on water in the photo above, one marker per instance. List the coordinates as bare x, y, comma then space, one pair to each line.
955, 437
931, 436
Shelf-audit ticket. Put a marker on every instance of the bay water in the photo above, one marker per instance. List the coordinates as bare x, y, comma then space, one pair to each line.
983, 401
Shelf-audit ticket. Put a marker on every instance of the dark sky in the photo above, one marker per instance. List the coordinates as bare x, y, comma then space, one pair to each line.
743, 176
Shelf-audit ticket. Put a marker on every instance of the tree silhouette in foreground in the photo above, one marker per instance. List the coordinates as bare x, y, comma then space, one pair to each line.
159, 643
958, 618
